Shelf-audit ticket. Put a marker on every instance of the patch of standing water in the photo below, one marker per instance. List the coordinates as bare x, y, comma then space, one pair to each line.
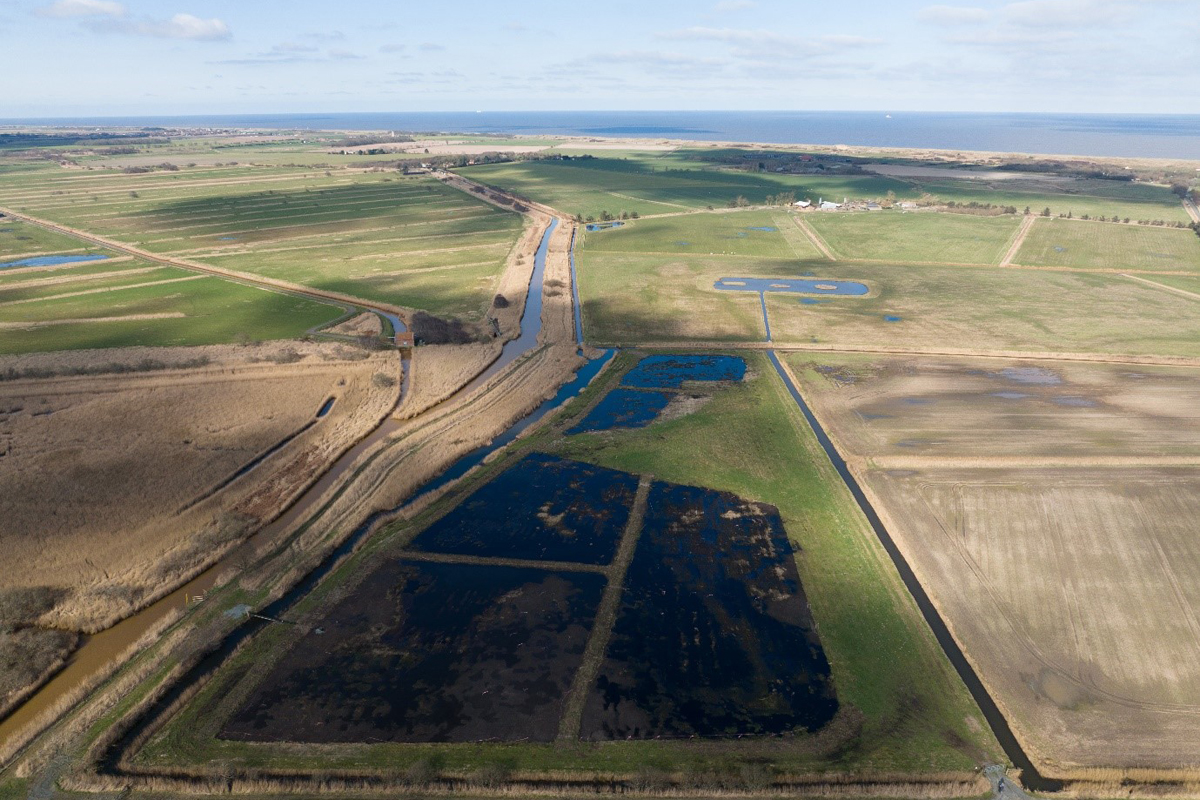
623, 408
795, 285
671, 372
1036, 376
890, 318
811, 301
50, 261
603, 226
226, 238
763, 228
1010, 395
1074, 401
682, 243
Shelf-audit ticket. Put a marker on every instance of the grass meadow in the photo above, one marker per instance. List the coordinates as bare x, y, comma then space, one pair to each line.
981, 309
919, 237
659, 184
1103, 245
406, 241
176, 308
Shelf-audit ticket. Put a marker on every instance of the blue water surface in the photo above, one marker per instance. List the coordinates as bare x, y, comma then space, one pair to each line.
50, 261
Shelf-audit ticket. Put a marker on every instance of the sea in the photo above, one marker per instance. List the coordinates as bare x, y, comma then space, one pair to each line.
1121, 135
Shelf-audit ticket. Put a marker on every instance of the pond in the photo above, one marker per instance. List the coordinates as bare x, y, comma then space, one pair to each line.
603, 226
51, 261
795, 285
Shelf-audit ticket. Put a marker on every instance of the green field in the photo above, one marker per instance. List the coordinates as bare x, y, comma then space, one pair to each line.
406, 241
1095, 198
920, 237
735, 233
19, 239
205, 310
1102, 245
663, 183
906, 709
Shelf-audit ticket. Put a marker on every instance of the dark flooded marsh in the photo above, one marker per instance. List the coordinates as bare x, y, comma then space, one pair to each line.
648, 389
714, 636
672, 371
543, 508
623, 408
431, 652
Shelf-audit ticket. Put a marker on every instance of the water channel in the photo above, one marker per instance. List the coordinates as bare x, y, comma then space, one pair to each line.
97, 653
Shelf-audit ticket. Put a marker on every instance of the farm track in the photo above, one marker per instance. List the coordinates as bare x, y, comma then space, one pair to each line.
815, 238
1157, 285
270, 284
103, 290
606, 617
1192, 209
1022, 232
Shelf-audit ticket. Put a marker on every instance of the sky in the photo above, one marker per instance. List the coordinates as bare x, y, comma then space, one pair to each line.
143, 57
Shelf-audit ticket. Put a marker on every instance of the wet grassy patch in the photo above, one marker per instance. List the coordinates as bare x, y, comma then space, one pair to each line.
431, 652
714, 636
542, 508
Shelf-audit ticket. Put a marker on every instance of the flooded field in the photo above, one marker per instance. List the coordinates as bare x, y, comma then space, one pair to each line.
650, 388
624, 408
431, 652
450, 641
543, 508
794, 285
672, 371
51, 261
714, 636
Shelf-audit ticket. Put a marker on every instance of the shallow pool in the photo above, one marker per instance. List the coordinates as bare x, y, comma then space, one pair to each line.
798, 285
50, 261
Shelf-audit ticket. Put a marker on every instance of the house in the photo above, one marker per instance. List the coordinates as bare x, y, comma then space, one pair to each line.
829, 205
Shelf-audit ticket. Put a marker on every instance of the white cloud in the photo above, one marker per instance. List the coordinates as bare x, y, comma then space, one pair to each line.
756, 45
392, 48
180, 26
431, 47
83, 8
726, 6
343, 55
953, 15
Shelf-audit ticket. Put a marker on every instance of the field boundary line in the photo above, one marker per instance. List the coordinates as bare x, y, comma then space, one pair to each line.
1032, 462
606, 617
1006, 355
270, 284
497, 561
647, 200
815, 238
1157, 285
1192, 209
1023, 231
20, 326
58, 280
102, 290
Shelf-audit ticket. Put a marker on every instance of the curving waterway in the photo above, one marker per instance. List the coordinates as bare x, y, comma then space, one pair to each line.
96, 654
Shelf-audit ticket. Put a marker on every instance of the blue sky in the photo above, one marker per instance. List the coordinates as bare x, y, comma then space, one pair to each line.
98, 57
